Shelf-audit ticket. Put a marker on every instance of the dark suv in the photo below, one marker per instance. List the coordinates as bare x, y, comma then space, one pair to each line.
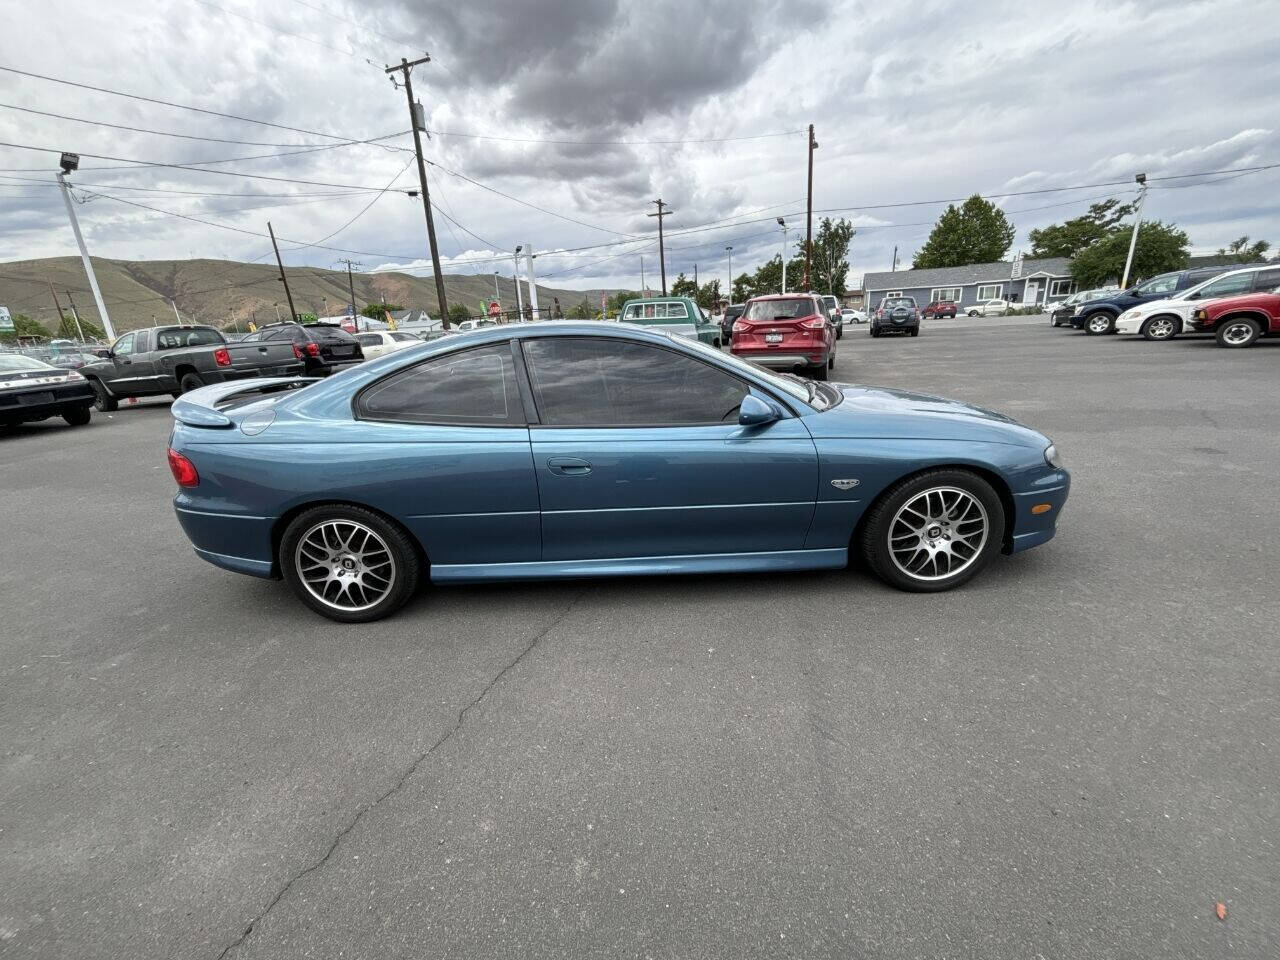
323, 348
731, 313
896, 315
1099, 316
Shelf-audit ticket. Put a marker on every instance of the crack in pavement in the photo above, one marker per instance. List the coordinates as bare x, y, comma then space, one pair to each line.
404, 778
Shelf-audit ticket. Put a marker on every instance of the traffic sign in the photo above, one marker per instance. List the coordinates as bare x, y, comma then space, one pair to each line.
6, 321
495, 308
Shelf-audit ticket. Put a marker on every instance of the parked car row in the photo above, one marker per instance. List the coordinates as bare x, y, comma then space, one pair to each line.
1235, 304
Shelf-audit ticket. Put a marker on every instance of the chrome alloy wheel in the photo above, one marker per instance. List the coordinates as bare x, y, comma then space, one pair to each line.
1237, 334
345, 565
1161, 328
1099, 323
938, 533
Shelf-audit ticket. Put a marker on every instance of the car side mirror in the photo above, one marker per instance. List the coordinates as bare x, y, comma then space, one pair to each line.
755, 412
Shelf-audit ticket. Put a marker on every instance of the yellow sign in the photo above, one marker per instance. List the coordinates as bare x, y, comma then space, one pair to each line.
391, 321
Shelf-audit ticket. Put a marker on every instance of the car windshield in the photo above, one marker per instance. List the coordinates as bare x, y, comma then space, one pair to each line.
792, 386
779, 309
16, 362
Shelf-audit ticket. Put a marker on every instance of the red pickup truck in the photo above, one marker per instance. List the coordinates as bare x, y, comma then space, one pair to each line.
1239, 321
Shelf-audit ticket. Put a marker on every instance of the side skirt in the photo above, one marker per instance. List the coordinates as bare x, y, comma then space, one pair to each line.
782, 560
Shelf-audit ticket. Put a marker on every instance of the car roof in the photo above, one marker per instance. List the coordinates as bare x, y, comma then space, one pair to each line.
782, 296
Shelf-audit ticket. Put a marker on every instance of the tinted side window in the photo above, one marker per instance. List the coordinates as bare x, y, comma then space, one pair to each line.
124, 346
470, 387
1266, 281
1227, 286
604, 383
369, 340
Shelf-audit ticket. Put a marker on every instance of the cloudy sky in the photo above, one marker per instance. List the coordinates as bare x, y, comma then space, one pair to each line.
556, 123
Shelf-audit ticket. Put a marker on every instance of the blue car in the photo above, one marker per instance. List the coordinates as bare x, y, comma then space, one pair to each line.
593, 449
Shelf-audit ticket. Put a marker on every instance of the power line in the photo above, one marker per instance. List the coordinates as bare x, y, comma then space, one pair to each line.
189, 193
607, 143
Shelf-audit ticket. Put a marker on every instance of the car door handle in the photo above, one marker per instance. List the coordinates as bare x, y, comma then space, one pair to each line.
569, 466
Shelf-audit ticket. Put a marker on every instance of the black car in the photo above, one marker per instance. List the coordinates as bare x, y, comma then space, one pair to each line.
896, 315
731, 314
31, 390
324, 348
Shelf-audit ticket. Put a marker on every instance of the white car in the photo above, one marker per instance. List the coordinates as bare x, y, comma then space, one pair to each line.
988, 308
1165, 319
382, 342
853, 316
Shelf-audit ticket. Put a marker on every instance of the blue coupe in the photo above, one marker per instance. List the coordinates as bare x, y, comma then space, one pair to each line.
593, 449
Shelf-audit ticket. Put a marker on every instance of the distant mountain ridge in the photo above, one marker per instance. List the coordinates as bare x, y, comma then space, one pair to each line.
139, 293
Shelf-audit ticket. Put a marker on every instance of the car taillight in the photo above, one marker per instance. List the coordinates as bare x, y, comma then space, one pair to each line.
817, 323
183, 470
313, 349
297, 351
222, 357
741, 326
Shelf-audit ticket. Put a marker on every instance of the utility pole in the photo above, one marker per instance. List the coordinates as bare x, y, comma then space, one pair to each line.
70, 162
293, 314
351, 286
533, 285
643, 293
414, 114
516, 277
175, 309
1141, 180
662, 253
729, 296
75, 314
895, 258
496, 294
808, 235
695, 278
783, 224
57, 306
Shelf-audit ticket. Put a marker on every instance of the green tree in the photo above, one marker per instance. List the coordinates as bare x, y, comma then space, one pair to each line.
24, 326
67, 329
829, 264
1161, 247
709, 294
581, 311
975, 232
767, 278
613, 305
375, 311
1242, 251
743, 287
1068, 238
458, 312
683, 287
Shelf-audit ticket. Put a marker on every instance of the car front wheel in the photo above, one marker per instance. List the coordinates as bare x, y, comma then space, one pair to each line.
1099, 323
77, 416
1239, 333
103, 401
348, 563
1160, 328
973, 313
933, 531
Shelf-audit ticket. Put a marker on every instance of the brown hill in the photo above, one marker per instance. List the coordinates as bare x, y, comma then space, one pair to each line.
222, 292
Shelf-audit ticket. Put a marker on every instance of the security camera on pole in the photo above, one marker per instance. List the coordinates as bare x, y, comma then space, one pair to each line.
69, 163
1141, 180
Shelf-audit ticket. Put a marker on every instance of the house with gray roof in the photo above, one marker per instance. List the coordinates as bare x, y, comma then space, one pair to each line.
1023, 281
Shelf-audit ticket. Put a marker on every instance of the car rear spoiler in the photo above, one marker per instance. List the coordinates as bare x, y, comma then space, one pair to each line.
205, 407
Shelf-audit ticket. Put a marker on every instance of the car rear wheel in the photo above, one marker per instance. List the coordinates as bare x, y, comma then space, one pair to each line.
104, 402
1242, 332
933, 531
189, 382
77, 416
348, 563
915, 332
819, 371
973, 313
1099, 323
1160, 328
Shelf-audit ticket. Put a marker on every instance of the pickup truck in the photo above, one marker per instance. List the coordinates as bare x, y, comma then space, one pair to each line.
1239, 321
173, 360
678, 315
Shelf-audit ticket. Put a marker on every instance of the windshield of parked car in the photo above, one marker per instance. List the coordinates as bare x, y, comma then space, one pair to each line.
16, 363
779, 309
1162, 284
790, 386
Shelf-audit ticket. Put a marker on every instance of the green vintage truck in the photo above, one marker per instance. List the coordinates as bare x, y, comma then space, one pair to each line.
678, 315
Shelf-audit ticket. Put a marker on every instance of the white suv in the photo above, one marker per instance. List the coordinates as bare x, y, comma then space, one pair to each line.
988, 308
1165, 319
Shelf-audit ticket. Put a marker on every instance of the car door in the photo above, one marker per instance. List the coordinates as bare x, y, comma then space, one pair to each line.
372, 345
124, 378
638, 453
452, 430
1233, 284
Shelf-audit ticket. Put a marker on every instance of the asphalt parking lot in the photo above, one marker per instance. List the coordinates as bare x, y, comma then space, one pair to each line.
1075, 756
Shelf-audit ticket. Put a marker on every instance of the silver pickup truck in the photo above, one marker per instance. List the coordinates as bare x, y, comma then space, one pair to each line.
173, 360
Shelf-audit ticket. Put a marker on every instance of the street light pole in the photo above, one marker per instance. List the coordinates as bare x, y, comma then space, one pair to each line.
533, 285
519, 295
405, 68
783, 224
71, 161
730, 295
808, 238
1141, 180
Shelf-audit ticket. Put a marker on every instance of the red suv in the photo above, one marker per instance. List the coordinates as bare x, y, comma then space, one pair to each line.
786, 331
940, 308
1239, 321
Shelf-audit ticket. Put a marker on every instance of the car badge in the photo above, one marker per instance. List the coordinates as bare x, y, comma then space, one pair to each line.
844, 484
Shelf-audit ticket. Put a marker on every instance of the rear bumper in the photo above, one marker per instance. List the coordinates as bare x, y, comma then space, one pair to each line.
777, 359
64, 397
336, 366
231, 541
221, 375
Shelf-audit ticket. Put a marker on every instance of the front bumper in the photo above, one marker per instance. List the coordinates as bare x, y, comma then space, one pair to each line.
1032, 529
1129, 324
60, 398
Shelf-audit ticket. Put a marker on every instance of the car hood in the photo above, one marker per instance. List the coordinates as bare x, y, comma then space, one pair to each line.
884, 412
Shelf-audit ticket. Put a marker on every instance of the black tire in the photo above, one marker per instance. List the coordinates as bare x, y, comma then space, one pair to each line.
915, 332
874, 332
1100, 323
839, 333
101, 399
874, 541
405, 564
819, 371
1238, 332
78, 416
973, 313
189, 382
1165, 331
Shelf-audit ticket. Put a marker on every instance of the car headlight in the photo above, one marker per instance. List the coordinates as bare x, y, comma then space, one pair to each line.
1051, 456
1077, 311
1131, 315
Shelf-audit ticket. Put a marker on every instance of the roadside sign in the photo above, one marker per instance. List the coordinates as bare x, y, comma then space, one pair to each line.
495, 308
1017, 267
6, 321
